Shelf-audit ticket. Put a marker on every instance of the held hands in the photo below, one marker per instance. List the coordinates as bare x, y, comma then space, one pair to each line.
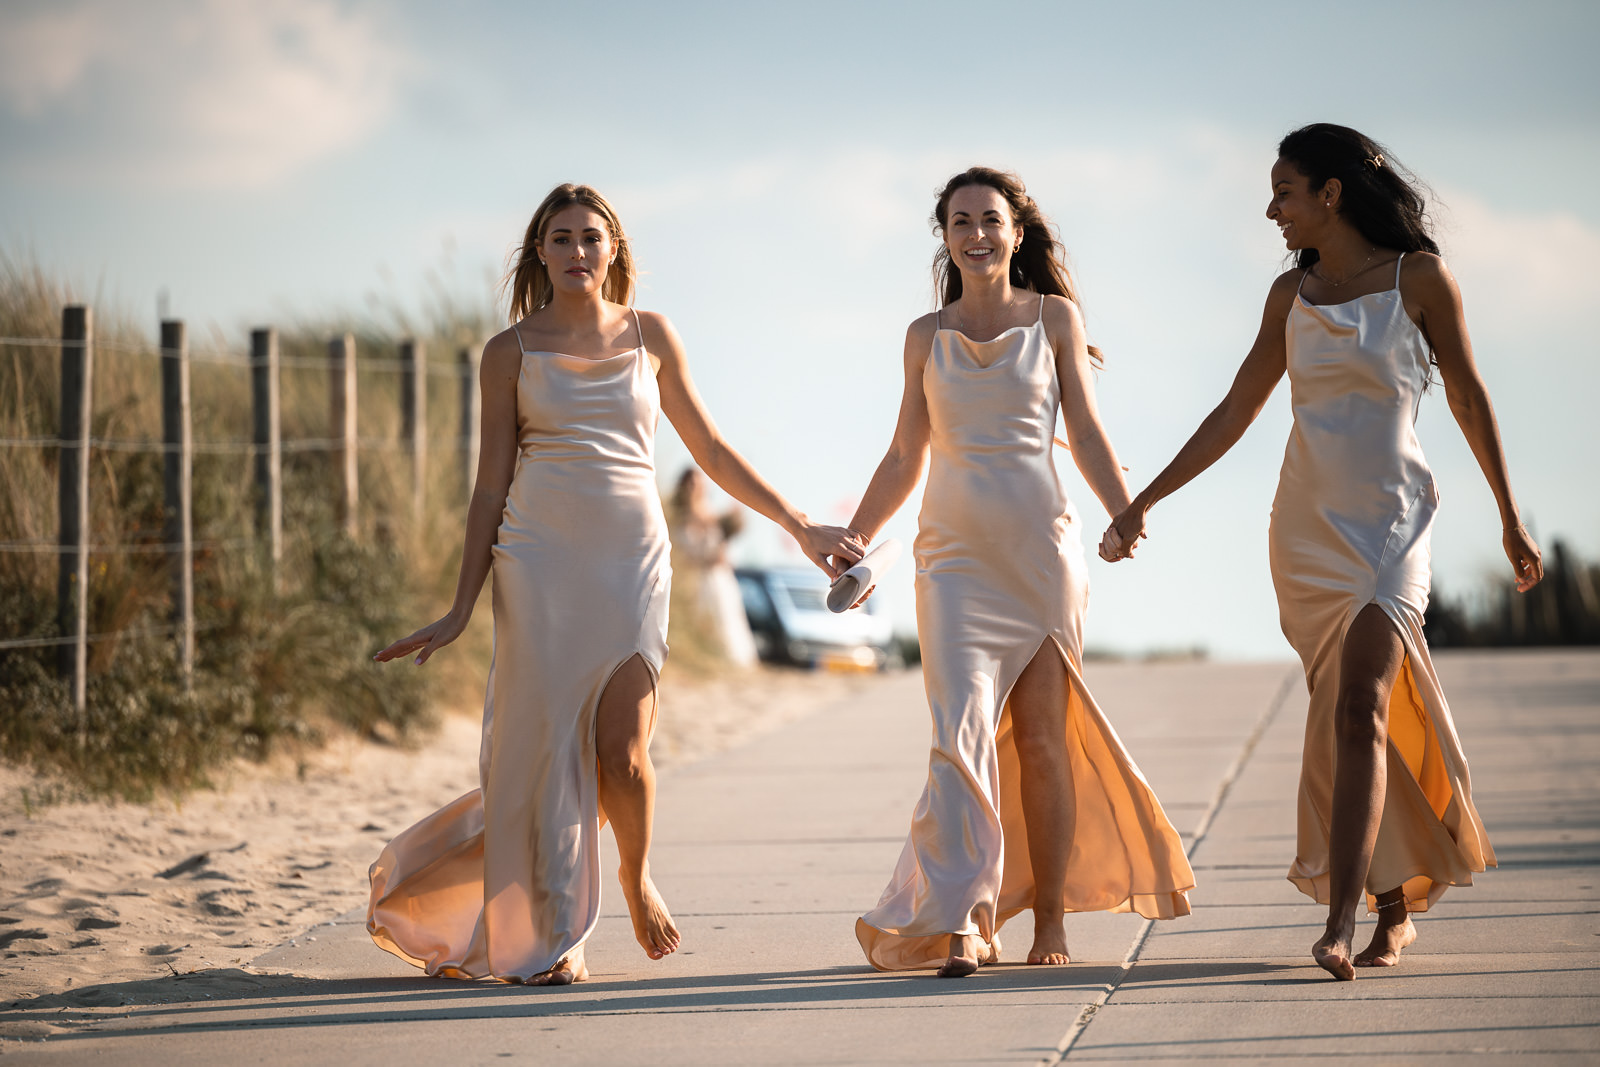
1524, 557
429, 639
818, 542
841, 565
1124, 534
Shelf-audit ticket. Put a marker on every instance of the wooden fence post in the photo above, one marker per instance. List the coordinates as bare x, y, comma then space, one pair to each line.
179, 469
268, 444
342, 351
470, 402
77, 372
414, 419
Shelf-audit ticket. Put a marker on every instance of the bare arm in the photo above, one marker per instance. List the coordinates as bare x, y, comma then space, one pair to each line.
901, 466
1432, 298
497, 460
1220, 430
725, 466
1092, 451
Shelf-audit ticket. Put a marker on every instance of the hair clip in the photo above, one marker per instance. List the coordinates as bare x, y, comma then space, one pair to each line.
1376, 162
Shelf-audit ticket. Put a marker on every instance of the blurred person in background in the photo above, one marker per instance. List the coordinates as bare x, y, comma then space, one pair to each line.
700, 539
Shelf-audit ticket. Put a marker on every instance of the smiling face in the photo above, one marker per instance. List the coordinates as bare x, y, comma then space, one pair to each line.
577, 249
1302, 213
980, 232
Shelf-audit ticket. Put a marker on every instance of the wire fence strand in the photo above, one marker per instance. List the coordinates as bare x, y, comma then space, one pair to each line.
382, 364
129, 548
132, 631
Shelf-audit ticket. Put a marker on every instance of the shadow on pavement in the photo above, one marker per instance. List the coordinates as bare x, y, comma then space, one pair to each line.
230, 999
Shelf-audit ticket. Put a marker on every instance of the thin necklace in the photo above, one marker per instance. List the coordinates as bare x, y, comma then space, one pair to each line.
1325, 280
1004, 314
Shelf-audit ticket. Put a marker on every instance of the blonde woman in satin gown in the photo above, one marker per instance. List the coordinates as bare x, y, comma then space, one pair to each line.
505, 882
1031, 801
1385, 803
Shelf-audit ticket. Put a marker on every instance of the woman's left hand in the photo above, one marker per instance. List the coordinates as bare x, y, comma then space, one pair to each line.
1124, 534
1524, 557
820, 542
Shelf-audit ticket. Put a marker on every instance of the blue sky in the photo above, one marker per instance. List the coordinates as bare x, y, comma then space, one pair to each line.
775, 168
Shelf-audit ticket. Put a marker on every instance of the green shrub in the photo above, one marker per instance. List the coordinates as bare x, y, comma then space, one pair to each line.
273, 667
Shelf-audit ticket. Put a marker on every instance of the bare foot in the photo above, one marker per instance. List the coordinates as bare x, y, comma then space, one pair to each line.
572, 969
1332, 953
652, 924
1049, 943
964, 958
1387, 941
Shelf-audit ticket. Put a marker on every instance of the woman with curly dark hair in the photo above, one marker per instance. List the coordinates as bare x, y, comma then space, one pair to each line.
1369, 309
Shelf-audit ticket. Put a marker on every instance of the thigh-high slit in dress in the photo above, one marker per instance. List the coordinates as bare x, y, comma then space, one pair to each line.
1000, 576
1350, 528
505, 880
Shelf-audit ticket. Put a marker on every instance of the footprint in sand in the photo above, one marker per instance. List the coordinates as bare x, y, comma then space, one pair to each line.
221, 902
10, 937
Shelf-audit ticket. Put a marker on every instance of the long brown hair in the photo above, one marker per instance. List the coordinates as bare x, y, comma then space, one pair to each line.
529, 280
1038, 265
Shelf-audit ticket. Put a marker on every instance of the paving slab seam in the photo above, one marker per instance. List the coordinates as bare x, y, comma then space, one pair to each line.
1064, 1046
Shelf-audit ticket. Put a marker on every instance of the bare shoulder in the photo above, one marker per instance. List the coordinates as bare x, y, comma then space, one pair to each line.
659, 335
502, 356
919, 337
1062, 315
1285, 287
1425, 273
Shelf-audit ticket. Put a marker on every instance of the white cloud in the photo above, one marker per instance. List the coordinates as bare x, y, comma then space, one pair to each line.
43, 53
209, 95
1523, 264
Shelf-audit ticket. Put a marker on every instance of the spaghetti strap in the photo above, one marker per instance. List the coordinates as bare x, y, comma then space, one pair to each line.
1303, 276
520, 346
1397, 263
1041, 310
937, 325
637, 328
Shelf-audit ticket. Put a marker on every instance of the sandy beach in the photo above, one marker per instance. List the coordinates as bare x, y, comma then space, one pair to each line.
95, 892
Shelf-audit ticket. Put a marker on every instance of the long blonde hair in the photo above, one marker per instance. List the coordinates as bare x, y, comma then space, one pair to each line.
529, 280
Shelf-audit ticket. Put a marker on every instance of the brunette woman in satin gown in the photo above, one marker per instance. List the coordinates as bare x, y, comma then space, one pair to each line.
1031, 799
505, 881
1385, 804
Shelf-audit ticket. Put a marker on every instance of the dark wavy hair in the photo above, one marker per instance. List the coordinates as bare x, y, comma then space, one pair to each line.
1038, 265
1384, 201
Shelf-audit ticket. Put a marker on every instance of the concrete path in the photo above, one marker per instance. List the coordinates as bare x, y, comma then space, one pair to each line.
769, 852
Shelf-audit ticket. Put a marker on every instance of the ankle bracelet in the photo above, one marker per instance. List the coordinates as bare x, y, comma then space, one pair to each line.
1392, 904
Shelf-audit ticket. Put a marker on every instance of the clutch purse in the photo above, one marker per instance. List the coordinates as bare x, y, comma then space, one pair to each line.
848, 587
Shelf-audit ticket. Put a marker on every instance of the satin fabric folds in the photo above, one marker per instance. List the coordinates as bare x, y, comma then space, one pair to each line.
505, 881
1000, 575
1350, 527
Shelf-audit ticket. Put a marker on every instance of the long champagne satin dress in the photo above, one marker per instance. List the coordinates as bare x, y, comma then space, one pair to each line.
1350, 527
1000, 575
505, 881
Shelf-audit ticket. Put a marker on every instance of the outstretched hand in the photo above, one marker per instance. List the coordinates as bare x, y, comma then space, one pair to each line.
1524, 556
1123, 535
429, 639
845, 546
